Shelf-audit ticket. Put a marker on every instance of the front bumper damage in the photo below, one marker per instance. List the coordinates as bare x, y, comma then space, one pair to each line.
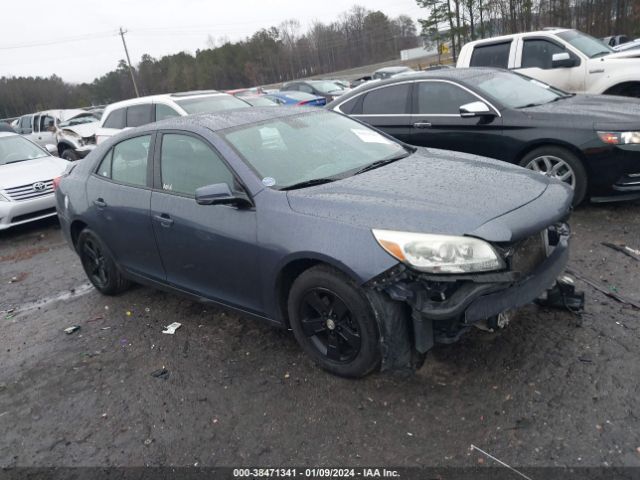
443, 307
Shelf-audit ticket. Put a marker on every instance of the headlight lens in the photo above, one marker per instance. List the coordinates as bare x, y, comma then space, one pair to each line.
619, 138
440, 253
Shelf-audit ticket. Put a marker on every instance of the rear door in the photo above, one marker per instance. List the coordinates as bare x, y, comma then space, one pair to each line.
44, 130
119, 195
387, 108
208, 250
437, 122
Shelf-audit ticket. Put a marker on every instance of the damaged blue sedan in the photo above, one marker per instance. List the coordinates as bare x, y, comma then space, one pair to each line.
369, 250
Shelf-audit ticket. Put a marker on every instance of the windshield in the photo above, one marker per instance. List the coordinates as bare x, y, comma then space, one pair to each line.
326, 87
591, 47
211, 103
17, 149
517, 91
79, 120
290, 150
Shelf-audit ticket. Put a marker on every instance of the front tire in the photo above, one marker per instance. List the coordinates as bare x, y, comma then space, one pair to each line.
69, 155
99, 265
333, 322
561, 164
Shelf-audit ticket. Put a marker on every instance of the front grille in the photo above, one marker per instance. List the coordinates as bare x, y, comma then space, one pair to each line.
28, 216
529, 253
27, 192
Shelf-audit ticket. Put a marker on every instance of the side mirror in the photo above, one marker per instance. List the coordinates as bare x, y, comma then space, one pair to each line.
220, 194
476, 109
52, 149
562, 60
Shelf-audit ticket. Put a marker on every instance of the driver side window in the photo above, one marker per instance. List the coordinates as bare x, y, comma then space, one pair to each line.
539, 54
187, 163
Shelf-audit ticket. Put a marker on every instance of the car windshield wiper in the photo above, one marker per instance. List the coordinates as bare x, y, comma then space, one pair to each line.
309, 183
530, 105
380, 163
562, 97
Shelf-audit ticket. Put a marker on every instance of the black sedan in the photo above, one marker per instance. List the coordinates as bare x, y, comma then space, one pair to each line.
591, 142
369, 250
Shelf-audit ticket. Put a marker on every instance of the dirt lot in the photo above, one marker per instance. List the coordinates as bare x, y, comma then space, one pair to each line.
552, 389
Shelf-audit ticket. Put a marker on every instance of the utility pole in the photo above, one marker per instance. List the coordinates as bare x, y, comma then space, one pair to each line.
133, 78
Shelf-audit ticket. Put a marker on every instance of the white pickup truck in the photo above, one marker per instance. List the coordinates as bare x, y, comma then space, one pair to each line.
567, 59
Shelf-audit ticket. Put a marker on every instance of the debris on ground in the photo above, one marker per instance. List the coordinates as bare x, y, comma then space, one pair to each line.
473, 447
72, 329
604, 290
628, 251
148, 441
171, 329
128, 313
162, 373
563, 295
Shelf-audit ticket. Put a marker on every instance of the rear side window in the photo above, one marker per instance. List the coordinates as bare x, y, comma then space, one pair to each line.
442, 98
139, 115
539, 53
494, 55
350, 107
115, 119
387, 100
187, 163
129, 161
164, 111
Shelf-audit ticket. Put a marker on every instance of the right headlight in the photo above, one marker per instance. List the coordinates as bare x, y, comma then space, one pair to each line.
440, 253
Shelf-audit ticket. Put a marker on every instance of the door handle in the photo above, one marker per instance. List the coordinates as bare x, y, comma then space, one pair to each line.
164, 219
422, 125
100, 203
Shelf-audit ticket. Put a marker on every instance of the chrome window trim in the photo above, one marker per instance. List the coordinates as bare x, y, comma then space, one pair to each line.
337, 107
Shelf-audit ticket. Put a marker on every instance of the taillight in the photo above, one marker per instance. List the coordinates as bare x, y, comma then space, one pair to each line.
56, 183
304, 102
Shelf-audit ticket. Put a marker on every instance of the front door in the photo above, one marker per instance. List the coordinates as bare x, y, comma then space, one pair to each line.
537, 62
437, 122
209, 250
388, 109
119, 196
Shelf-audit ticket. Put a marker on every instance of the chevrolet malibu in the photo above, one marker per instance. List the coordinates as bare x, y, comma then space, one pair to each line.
26, 181
368, 249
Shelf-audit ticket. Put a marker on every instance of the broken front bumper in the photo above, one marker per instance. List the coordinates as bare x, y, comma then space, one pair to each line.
444, 307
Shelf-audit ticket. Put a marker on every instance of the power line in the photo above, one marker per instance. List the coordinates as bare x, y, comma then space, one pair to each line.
77, 38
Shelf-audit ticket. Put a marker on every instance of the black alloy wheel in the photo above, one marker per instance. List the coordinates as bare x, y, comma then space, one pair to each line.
98, 264
329, 324
333, 321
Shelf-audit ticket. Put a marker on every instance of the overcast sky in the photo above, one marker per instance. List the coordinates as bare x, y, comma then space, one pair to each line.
77, 39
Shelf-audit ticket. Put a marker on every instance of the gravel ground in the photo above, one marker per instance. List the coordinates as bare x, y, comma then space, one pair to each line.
553, 389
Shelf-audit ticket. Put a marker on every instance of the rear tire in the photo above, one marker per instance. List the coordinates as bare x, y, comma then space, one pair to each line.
561, 164
99, 265
333, 322
69, 155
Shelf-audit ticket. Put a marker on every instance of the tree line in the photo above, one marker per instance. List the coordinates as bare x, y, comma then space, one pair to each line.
459, 21
271, 55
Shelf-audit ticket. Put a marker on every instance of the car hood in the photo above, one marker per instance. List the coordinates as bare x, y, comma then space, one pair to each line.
84, 129
606, 112
632, 53
433, 191
30, 171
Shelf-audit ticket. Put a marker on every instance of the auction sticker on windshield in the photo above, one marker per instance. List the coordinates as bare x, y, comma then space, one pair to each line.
369, 136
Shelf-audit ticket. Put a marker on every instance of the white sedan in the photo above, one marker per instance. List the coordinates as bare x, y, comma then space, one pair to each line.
26, 180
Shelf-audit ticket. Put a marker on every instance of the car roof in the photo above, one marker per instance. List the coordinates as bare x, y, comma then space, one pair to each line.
8, 134
398, 68
459, 74
164, 96
547, 31
225, 119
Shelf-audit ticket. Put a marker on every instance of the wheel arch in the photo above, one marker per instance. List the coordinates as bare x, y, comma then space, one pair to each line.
75, 228
293, 267
620, 87
62, 146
